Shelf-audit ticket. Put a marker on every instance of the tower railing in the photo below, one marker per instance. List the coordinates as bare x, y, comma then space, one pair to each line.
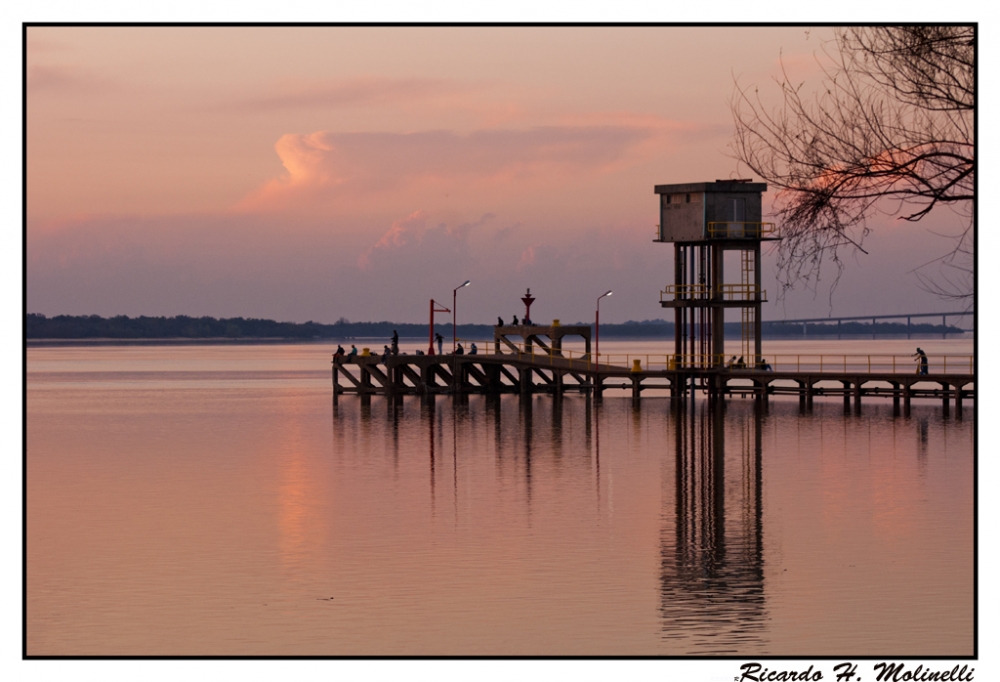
703, 292
731, 229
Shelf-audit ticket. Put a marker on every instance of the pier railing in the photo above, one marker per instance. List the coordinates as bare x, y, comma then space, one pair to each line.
799, 363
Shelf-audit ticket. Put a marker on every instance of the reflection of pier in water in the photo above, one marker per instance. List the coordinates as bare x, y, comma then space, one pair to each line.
711, 556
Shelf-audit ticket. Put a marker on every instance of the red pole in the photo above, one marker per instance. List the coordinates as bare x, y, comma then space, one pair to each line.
454, 320
430, 343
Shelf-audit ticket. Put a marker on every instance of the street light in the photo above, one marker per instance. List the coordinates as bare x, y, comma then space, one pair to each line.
597, 326
454, 315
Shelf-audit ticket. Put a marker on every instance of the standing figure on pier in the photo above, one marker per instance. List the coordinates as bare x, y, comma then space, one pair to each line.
921, 361
440, 340
395, 342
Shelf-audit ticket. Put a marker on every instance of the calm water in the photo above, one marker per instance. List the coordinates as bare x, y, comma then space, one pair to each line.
215, 500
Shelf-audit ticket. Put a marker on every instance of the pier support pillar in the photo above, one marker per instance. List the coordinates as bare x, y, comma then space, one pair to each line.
857, 395
458, 378
958, 399
526, 378
636, 388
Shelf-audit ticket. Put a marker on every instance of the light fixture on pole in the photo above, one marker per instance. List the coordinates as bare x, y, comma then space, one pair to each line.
454, 314
597, 326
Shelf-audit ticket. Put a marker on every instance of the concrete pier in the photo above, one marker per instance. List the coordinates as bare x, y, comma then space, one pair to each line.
554, 374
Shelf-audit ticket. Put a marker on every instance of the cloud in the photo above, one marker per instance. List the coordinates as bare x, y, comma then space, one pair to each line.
44, 78
342, 165
354, 92
527, 257
412, 230
404, 231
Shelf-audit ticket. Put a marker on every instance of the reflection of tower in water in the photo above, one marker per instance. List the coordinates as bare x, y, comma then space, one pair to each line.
711, 563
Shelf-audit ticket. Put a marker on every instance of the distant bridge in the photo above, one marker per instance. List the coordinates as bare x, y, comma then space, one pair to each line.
864, 318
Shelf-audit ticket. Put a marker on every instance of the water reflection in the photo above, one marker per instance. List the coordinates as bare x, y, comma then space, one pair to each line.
711, 555
569, 478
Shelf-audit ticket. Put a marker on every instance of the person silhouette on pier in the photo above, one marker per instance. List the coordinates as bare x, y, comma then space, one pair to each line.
515, 322
339, 355
395, 342
499, 321
473, 349
459, 350
385, 353
354, 351
921, 361
440, 342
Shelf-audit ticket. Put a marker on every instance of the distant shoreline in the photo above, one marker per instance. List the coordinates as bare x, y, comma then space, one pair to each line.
183, 330
248, 341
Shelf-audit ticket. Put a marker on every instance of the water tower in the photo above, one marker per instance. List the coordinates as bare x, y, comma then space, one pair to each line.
704, 221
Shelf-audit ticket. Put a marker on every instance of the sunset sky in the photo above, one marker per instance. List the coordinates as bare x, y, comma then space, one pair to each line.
317, 173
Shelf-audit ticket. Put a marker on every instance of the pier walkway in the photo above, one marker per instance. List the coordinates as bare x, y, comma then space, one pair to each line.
550, 370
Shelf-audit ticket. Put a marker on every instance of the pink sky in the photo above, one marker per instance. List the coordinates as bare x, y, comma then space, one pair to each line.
318, 173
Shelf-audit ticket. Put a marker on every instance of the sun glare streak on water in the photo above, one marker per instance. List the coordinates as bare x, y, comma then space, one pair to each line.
216, 500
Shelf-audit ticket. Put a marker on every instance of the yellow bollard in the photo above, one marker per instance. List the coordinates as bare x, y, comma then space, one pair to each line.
637, 365
555, 323
365, 352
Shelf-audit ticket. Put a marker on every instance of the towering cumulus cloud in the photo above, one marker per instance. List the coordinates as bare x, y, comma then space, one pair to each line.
327, 164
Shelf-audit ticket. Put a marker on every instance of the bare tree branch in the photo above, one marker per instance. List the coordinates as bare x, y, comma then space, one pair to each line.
891, 128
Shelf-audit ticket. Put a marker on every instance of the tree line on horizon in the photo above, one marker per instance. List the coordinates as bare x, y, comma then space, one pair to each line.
39, 326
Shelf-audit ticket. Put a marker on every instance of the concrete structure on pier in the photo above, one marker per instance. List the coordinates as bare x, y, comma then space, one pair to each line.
704, 221
531, 336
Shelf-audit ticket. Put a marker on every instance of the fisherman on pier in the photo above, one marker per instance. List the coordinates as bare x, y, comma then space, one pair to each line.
515, 322
354, 351
459, 350
473, 350
921, 361
395, 342
499, 321
440, 341
337, 356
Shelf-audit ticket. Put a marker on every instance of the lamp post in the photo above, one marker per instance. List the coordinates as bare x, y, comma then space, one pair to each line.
597, 326
454, 314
